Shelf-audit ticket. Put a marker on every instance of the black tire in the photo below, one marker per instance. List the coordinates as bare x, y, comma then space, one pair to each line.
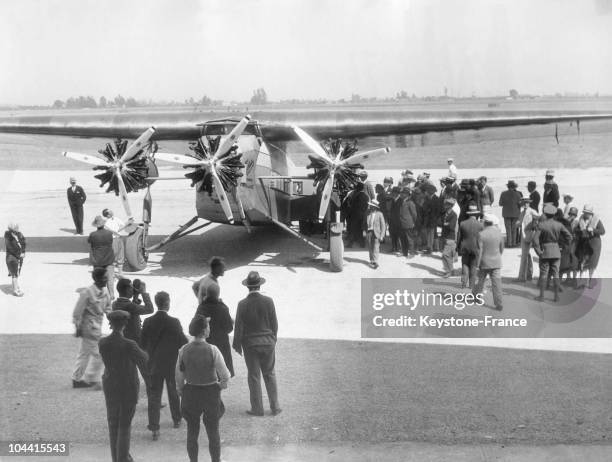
135, 252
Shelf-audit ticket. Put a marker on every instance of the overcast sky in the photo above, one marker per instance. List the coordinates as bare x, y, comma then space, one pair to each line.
170, 49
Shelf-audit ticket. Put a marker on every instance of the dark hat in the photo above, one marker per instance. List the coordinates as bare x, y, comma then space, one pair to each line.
253, 280
363, 174
549, 209
396, 190
388, 179
473, 210
568, 195
573, 211
512, 184
118, 315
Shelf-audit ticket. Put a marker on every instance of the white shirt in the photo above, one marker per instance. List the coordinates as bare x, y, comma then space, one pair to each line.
452, 170
114, 224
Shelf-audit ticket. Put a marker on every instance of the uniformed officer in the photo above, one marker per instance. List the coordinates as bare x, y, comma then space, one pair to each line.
550, 234
121, 384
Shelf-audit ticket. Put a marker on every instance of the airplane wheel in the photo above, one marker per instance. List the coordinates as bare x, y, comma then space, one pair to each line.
135, 252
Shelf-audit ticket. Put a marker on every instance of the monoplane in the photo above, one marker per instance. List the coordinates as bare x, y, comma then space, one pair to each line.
238, 167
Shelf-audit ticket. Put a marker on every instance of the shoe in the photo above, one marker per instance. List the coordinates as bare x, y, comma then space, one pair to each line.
276, 411
97, 386
18, 293
177, 424
80, 384
375, 265
499, 307
253, 413
155, 435
446, 275
539, 298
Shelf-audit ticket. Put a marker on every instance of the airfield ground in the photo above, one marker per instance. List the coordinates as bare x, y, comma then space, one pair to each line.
344, 398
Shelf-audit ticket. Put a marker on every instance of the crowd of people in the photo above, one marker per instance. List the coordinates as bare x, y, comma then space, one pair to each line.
415, 216
194, 372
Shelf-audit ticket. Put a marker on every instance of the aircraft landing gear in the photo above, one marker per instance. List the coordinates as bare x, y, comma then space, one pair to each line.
135, 248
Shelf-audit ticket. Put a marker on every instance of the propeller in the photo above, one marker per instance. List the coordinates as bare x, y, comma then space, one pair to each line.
124, 168
334, 162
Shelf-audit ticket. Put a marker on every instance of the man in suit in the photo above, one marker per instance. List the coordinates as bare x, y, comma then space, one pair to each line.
547, 240
101, 254
534, 196
76, 199
467, 243
125, 303
431, 216
375, 232
487, 196
449, 236
490, 249
121, 385
551, 189
161, 338
255, 333
408, 222
510, 202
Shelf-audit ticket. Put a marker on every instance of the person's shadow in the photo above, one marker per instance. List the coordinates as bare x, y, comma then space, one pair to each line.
7, 289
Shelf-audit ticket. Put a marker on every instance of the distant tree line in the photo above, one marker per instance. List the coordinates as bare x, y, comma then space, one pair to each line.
82, 102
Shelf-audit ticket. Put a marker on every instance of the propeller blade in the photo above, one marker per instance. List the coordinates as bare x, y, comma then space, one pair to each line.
222, 196
326, 195
123, 195
357, 158
92, 160
314, 146
227, 141
137, 145
176, 158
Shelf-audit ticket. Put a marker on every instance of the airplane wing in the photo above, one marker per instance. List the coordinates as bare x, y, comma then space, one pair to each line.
276, 124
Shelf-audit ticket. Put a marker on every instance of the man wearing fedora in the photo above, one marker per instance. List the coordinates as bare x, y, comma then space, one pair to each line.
121, 356
375, 231
551, 190
534, 196
76, 198
101, 254
467, 243
255, 333
547, 241
510, 201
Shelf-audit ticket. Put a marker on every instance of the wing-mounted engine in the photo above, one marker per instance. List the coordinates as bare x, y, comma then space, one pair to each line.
217, 165
135, 173
335, 163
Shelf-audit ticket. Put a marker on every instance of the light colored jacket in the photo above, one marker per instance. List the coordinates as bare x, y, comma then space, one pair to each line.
490, 248
376, 223
89, 311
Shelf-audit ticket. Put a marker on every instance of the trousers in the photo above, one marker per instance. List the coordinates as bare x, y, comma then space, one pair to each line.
526, 266
202, 401
448, 255
89, 355
510, 224
77, 217
495, 275
119, 250
373, 246
155, 388
468, 270
548, 265
260, 361
119, 414
408, 239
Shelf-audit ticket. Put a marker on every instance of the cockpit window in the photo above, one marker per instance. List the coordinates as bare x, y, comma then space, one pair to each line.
217, 129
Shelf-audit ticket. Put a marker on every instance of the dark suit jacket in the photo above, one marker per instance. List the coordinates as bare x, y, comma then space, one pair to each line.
467, 241
134, 326
256, 322
121, 356
491, 247
551, 194
161, 337
101, 252
76, 198
510, 201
